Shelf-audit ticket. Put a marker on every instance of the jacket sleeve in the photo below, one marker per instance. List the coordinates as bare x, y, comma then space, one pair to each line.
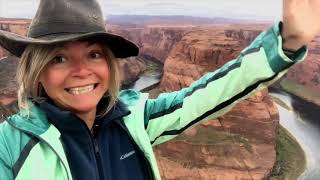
5, 162
257, 67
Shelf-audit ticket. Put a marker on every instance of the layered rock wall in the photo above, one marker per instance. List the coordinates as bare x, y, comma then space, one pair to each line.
130, 70
16, 26
202, 51
155, 43
238, 145
2, 53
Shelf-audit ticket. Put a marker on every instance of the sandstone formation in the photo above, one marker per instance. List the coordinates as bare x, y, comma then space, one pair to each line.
8, 84
130, 70
307, 73
201, 51
2, 53
18, 26
155, 43
240, 144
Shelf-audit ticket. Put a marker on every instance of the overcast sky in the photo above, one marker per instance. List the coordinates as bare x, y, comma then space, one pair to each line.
248, 9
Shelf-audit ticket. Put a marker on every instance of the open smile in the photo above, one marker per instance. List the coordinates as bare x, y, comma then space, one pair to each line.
82, 89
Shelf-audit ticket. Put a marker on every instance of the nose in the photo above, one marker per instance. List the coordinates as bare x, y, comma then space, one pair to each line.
81, 69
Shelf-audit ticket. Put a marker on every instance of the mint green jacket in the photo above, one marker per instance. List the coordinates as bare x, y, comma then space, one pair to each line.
31, 149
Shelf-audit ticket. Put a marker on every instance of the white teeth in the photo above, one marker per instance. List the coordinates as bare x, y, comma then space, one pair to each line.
81, 90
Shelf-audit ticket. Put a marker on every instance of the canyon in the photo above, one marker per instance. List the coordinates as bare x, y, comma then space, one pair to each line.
18, 26
229, 147
238, 145
308, 73
155, 42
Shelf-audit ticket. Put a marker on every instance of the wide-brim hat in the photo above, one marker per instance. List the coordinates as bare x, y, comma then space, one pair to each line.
62, 21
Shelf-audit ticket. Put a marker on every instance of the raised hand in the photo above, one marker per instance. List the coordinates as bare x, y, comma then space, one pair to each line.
301, 22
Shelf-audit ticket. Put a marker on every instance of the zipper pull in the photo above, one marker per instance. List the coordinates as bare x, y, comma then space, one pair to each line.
96, 146
94, 130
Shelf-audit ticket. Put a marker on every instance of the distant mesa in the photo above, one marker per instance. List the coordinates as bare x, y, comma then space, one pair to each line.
174, 20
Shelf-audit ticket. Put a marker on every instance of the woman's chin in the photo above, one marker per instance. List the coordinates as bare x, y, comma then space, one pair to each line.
83, 109
84, 106
84, 102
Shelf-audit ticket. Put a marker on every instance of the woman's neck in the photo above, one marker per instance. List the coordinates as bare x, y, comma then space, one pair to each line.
88, 117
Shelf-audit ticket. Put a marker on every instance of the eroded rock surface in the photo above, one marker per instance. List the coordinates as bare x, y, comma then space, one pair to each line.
307, 73
202, 51
240, 144
130, 70
155, 43
18, 26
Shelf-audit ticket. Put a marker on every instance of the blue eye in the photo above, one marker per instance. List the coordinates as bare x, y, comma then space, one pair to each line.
58, 60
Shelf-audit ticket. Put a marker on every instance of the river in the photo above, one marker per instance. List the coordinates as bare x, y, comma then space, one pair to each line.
304, 124
147, 82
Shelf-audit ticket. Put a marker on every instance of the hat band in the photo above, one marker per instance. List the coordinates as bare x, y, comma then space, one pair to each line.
45, 29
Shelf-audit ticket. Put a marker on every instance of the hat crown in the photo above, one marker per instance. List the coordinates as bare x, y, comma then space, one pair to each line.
61, 21
66, 16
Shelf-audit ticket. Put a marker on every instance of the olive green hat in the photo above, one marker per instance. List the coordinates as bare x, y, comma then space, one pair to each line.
58, 21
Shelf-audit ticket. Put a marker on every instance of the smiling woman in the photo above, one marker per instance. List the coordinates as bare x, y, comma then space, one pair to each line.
74, 75
73, 123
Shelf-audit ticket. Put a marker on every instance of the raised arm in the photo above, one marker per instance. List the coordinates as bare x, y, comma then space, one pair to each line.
257, 67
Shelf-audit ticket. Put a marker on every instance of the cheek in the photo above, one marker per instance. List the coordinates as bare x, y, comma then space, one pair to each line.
107, 74
52, 80
104, 73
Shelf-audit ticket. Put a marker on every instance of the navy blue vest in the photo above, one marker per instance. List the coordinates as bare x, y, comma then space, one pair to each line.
107, 152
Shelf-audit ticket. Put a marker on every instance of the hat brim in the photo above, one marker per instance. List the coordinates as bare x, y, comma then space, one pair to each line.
121, 47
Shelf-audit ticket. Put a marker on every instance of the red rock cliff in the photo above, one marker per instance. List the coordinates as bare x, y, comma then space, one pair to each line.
16, 26
2, 53
239, 145
202, 51
307, 73
155, 43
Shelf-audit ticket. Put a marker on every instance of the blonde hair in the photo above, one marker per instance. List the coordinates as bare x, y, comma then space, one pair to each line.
35, 58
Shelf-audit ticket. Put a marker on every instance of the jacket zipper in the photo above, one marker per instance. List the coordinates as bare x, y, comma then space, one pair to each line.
96, 149
95, 145
150, 172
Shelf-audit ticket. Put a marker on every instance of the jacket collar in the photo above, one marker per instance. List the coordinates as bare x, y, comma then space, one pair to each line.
33, 121
43, 114
68, 121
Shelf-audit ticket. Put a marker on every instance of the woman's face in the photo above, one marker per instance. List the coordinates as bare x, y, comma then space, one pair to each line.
77, 78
